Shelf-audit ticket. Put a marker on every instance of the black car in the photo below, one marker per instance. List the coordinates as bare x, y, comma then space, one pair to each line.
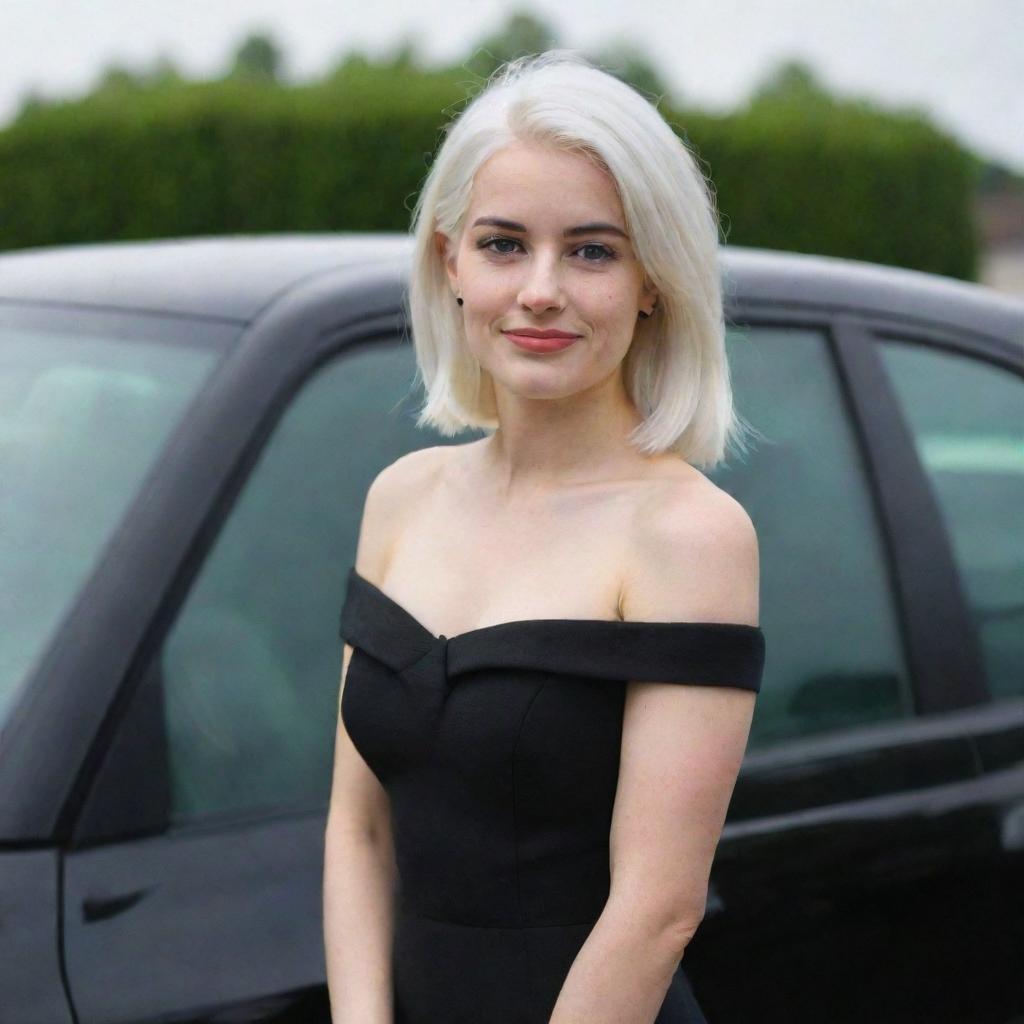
187, 432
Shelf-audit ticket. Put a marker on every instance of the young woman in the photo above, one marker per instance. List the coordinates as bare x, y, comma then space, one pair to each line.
526, 802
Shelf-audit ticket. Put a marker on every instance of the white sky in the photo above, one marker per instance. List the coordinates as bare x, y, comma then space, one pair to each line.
961, 61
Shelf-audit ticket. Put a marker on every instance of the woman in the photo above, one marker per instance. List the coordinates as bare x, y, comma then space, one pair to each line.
525, 806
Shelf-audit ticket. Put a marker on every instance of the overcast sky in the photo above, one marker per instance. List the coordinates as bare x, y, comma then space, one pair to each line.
961, 61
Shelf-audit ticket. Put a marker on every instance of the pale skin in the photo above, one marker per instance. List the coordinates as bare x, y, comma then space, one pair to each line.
557, 515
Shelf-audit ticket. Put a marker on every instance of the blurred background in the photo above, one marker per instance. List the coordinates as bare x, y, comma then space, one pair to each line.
887, 131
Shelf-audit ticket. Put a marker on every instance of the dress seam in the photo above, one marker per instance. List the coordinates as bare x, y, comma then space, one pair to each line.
515, 842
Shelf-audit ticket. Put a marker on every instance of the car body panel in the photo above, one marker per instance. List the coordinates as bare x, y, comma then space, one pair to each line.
189, 925
31, 968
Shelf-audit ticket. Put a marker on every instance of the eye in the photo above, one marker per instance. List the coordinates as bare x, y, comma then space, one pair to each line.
603, 250
486, 243
605, 254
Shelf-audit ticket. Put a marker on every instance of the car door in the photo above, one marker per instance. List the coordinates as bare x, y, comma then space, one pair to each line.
88, 399
193, 888
963, 403
838, 883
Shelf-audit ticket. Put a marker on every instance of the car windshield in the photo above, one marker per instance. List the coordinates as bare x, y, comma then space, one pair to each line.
86, 404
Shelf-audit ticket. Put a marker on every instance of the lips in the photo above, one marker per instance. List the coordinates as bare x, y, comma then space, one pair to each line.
533, 340
533, 332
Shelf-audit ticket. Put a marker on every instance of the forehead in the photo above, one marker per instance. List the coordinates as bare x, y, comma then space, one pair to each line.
547, 181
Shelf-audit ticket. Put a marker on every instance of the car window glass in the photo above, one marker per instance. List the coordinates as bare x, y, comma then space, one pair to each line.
967, 419
251, 666
834, 657
83, 417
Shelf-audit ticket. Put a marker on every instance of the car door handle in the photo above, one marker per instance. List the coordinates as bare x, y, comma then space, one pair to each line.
98, 908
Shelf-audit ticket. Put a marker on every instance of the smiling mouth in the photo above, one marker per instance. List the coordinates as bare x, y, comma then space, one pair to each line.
550, 343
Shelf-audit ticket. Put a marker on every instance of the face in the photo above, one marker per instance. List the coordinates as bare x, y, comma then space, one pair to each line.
544, 248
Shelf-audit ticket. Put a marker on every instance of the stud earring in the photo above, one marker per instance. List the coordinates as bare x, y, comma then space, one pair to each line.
458, 299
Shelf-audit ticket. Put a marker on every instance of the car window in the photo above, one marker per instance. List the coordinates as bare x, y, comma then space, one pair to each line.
84, 412
967, 418
250, 667
834, 657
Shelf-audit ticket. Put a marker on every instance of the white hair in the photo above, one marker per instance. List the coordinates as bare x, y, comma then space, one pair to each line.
676, 371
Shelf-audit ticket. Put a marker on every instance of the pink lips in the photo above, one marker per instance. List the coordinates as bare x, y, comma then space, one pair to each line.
541, 341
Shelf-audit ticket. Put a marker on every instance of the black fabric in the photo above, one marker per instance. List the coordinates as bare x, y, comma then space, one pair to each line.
499, 750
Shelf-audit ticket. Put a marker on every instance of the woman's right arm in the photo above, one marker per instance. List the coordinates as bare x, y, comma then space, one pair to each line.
359, 861
359, 877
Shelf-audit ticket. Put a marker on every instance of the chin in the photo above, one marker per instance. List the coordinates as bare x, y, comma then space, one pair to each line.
541, 383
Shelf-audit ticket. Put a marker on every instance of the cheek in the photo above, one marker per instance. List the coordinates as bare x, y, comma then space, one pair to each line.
612, 308
486, 288
613, 294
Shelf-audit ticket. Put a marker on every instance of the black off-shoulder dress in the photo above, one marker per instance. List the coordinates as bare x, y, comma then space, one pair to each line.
499, 749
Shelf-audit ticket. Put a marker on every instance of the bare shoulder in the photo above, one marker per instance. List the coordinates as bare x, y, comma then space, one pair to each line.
693, 555
389, 498
399, 479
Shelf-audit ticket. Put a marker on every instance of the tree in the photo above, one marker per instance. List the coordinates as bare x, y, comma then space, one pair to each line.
31, 101
404, 56
163, 71
118, 78
521, 34
258, 57
628, 62
791, 82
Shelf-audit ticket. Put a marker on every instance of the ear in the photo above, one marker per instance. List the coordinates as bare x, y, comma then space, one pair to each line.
649, 293
449, 256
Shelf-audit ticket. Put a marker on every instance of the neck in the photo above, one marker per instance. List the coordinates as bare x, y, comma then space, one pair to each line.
543, 445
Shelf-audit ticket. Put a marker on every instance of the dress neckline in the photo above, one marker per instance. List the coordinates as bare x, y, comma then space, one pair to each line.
624, 625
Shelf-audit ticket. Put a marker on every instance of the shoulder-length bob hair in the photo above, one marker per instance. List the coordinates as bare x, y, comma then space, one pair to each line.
675, 371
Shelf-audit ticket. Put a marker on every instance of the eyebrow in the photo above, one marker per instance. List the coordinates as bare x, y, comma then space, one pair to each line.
580, 229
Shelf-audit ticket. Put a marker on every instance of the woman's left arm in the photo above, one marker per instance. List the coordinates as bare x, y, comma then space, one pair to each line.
682, 747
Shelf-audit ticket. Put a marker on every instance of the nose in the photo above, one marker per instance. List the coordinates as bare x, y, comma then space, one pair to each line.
542, 289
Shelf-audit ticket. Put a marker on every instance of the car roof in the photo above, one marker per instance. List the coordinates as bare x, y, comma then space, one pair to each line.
235, 277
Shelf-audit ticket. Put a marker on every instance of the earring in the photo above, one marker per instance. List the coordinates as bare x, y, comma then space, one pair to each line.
458, 299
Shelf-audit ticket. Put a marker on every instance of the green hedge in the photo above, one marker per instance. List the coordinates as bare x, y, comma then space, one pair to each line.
351, 153
844, 181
